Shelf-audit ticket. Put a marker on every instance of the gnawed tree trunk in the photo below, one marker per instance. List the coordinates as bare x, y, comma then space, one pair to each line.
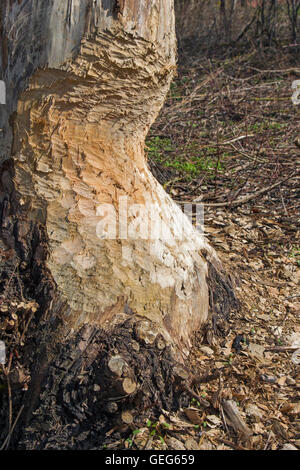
85, 80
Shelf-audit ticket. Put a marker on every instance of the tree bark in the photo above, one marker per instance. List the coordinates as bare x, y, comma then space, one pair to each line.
85, 80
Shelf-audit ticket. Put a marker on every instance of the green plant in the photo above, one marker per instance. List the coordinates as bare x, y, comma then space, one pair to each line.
157, 429
195, 402
130, 439
156, 146
230, 358
265, 125
175, 92
189, 161
130, 442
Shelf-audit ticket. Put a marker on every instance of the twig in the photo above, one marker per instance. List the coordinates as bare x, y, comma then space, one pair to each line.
248, 156
26, 326
292, 296
268, 440
8, 438
218, 161
294, 69
205, 378
231, 444
8, 283
148, 443
246, 28
9, 404
269, 98
224, 420
282, 200
291, 45
201, 400
7, 372
236, 139
250, 197
282, 348
182, 425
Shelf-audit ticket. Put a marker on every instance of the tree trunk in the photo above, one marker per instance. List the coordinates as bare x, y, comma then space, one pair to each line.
293, 7
93, 237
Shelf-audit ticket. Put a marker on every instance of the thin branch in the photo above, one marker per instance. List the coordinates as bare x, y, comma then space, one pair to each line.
250, 197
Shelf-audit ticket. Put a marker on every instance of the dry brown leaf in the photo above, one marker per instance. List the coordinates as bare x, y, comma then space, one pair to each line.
194, 415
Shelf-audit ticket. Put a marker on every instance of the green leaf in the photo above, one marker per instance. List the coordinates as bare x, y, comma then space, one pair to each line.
130, 442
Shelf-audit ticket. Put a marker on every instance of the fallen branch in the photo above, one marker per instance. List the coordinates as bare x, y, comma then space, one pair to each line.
8, 438
294, 70
236, 139
231, 444
234, 419
250, 197
282, 348
269, 98
205, 378
201, 400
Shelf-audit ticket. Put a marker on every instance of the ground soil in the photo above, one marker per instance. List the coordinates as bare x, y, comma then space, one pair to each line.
228, 138
235, 122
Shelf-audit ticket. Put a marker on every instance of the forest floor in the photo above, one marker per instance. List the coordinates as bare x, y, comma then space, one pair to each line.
228, 137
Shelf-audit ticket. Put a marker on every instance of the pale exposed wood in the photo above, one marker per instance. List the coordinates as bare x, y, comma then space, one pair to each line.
116, 365
122, 381
126, 417
129, 386
96, 83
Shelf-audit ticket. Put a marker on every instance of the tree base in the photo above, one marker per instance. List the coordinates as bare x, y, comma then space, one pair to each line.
76, 398
87, 383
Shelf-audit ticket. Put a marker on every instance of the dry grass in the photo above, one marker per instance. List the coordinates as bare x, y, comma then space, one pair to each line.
228, 131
